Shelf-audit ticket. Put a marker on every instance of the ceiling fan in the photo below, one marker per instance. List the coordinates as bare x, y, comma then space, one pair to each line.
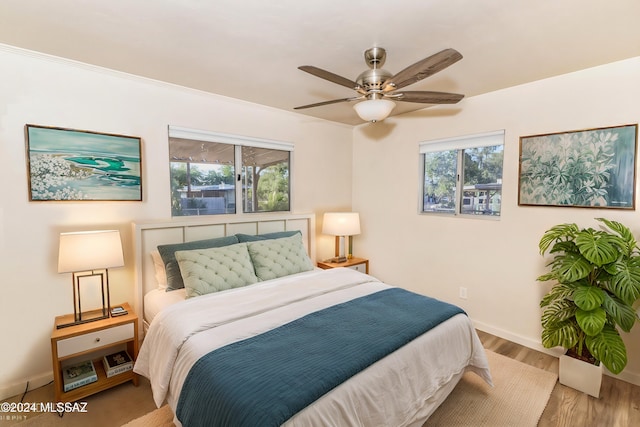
378, 88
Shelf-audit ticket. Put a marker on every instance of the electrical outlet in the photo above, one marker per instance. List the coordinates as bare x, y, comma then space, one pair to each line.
463, 292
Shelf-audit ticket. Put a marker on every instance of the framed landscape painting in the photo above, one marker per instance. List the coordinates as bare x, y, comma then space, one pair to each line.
592, 168
68, 164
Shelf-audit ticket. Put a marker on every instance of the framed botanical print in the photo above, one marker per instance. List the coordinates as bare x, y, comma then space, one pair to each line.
69, 164
592, 168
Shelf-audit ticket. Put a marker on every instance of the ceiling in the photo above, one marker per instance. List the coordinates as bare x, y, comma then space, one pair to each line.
250, 49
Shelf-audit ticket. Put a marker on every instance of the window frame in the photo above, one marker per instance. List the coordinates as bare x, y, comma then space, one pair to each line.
459, 145
237, 141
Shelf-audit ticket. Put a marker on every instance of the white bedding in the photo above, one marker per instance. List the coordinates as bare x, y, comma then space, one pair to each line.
402, 389
159, 299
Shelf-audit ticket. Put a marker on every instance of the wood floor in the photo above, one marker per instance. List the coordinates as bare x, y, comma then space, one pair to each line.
618, 405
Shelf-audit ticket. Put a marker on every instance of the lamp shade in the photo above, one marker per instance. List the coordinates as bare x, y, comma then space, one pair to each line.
89, 250
341, 223
373, 110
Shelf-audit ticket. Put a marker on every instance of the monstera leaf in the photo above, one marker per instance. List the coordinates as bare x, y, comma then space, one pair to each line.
622, 314
598, 247
563, 334
557, 312
625, 283
609, 348
570, 267
557, 233
591, 322
624, 233
588, 298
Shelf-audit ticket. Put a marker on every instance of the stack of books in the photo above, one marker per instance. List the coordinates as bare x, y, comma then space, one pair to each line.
118, 311
75, 376
117, 363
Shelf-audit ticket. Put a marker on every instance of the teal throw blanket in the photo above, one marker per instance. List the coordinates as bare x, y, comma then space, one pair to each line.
265, 380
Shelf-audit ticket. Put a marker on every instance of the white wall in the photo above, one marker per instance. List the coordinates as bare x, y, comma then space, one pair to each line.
497, 261
42, 90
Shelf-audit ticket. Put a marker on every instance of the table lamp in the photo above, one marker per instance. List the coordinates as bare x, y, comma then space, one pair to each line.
341, 225
86, 255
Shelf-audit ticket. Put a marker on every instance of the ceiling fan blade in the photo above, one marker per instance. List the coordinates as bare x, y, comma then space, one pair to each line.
428, 97
318, 104
422, 69
327, 75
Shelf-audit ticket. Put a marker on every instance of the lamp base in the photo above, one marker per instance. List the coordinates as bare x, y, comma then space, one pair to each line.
86, 317
79, 316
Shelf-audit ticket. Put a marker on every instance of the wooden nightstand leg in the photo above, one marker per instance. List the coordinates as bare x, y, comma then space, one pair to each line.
57, 374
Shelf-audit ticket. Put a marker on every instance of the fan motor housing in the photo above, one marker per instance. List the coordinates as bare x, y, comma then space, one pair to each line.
373, 79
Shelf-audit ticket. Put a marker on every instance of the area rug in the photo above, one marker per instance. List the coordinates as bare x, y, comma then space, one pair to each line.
162, 417
518, 398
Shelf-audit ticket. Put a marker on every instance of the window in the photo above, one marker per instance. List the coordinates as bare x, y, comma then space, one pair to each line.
463, 175
265, 179
211, 171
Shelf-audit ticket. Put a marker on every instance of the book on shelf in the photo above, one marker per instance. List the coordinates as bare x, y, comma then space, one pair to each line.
75, 376
117, 363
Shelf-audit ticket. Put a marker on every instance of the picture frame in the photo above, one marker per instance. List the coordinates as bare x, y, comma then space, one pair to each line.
591, 168
78, 165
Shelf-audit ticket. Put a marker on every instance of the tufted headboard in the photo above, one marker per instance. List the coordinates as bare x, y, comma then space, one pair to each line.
148, 235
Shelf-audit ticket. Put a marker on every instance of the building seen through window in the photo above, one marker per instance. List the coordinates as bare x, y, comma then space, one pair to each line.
463, 175
211, 178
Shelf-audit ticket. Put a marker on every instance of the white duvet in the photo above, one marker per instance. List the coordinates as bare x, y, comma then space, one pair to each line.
402, 389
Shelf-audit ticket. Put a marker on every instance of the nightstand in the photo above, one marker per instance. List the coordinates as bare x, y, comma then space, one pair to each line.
359, 264
92, 341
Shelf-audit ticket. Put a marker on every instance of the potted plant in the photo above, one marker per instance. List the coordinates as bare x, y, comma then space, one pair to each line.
597, 275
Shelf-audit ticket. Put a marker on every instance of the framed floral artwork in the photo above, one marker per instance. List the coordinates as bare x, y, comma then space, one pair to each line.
592, 168
69, 164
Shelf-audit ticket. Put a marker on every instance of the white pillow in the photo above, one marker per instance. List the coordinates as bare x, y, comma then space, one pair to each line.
161, 273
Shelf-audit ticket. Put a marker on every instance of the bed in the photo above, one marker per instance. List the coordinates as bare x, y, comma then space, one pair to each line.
342, 348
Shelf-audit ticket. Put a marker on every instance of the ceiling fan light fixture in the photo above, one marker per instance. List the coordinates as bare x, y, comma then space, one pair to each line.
374, 110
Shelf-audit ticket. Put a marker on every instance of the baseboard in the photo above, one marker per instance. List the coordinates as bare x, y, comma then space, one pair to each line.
518, 339
19, 388
625, 376
537, 345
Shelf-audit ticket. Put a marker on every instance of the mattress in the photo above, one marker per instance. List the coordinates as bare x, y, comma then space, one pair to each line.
402, 389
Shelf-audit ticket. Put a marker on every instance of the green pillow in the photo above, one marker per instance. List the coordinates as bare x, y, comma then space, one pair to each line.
167, 253
279, 257
215, 269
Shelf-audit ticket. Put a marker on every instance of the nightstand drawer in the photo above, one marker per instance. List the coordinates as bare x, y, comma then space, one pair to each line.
93, 340
362, 268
